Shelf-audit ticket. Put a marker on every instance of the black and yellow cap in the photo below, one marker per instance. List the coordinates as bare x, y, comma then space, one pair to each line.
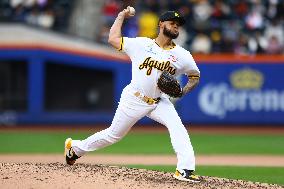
172, 15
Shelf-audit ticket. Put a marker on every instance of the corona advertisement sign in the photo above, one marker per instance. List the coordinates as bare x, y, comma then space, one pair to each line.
239, 94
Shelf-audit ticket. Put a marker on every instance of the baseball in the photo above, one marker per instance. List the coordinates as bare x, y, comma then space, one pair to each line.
131, 10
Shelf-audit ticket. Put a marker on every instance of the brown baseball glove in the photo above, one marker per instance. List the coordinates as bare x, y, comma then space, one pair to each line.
168, 84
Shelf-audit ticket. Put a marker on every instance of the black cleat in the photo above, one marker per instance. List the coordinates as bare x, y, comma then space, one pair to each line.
187, 175
69, 153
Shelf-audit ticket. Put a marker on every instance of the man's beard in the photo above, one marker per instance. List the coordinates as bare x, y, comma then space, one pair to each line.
170, 34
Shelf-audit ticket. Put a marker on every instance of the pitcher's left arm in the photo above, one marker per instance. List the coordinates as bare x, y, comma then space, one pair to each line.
193, 80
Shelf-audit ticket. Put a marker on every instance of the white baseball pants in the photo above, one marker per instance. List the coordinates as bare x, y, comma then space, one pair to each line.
129, 111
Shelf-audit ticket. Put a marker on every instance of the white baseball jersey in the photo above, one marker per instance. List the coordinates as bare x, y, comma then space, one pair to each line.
149, 60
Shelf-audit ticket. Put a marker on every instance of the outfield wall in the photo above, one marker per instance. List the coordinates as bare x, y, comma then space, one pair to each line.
238, 92
229, 91
233, 89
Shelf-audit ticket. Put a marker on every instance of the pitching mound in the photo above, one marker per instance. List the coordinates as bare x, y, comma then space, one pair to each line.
58, 175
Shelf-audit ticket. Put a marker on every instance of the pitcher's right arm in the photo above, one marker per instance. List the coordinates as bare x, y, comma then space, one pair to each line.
115, 37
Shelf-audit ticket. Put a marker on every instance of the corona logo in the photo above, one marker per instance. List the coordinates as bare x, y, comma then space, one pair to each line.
247, 79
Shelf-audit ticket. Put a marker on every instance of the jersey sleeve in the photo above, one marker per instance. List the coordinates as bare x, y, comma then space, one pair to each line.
129, 45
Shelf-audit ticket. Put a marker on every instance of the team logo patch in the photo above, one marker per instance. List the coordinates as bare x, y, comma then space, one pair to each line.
150, 50
173, 58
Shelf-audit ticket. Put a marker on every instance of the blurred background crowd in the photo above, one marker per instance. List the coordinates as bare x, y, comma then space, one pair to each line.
213, 26
47, 14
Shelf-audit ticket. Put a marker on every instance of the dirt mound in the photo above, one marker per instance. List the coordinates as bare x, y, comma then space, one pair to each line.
58, 175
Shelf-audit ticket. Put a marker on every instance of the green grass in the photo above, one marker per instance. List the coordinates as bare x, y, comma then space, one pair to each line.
145, 143
159, 143
272, 175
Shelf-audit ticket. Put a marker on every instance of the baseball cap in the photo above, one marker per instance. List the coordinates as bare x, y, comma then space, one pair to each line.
172, 15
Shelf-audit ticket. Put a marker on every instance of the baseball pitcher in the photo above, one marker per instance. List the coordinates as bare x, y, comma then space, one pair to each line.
155, 65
